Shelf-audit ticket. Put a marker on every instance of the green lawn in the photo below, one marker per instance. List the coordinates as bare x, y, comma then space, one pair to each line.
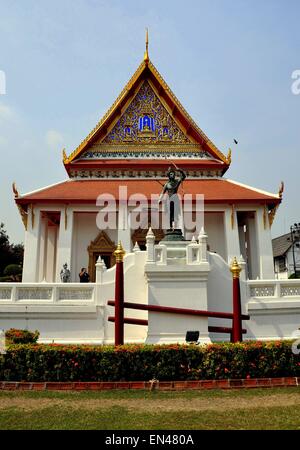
119, 410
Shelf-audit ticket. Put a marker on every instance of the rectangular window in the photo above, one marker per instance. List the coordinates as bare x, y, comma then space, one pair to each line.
281, 264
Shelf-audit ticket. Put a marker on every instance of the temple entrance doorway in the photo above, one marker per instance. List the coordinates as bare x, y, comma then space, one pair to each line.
104, 247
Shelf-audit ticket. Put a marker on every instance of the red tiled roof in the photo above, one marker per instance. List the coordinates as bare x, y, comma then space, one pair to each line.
87, 191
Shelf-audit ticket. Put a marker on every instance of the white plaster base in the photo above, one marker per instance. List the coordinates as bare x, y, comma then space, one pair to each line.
176, 283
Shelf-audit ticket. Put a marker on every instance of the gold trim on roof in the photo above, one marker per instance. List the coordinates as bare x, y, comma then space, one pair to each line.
22, 210
179, 105
228, 157
65, 157
24, 216
127, 88
232, 216
273, 211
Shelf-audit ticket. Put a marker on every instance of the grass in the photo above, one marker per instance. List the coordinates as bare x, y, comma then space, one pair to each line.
277, 408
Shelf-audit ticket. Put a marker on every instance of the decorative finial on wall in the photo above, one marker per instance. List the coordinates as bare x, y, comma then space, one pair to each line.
119, 253
146, 54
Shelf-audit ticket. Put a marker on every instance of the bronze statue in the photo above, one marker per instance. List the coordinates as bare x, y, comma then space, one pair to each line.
171, 188
65, 274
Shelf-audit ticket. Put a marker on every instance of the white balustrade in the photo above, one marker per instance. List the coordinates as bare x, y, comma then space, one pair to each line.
47, 293
274, 289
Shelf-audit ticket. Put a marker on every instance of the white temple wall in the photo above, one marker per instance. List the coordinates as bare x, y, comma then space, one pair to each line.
46, 253
135, 290
85, 231
72, 312
214, 228
273, 305
65, 241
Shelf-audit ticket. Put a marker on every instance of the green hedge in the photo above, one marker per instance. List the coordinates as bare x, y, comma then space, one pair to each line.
38, 362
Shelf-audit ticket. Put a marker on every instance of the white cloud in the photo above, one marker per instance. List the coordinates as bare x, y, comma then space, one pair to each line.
3, 141
54, 139
6, 112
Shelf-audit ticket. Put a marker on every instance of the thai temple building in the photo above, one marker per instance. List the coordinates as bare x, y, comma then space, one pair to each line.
114, 179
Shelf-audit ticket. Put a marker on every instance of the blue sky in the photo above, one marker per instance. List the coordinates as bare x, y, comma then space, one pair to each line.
229, 62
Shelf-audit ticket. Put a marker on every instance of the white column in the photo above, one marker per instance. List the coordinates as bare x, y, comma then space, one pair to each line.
100, 269
124, 231
51, 254
203, 244
31, 247
150, 241
231, 234
242, 239
264, 244
64, 243
43, 250
252, 247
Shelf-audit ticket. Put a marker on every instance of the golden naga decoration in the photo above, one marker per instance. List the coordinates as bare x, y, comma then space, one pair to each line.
265, 215
235, 268
24, 216
32, 215
65, 157
23, 212
228, 157
232, 216
146, 54
119, 253
66, 217
281, 189
15, 190
273, 211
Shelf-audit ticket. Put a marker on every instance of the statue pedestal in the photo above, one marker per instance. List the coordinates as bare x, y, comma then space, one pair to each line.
173, 235
177, 278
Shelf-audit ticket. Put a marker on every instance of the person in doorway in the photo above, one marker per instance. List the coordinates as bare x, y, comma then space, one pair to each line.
84, 276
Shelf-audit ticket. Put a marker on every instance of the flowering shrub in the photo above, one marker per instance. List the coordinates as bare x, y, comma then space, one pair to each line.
15, 336
56, 362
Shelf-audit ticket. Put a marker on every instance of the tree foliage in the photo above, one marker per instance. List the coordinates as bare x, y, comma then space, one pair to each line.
9, 253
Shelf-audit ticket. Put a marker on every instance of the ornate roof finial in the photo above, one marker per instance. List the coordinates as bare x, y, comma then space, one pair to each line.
228, 158
65, 157
15, 190
146, 54
281, 189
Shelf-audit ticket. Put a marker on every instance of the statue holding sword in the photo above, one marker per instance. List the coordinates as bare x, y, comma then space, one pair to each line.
171, 188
